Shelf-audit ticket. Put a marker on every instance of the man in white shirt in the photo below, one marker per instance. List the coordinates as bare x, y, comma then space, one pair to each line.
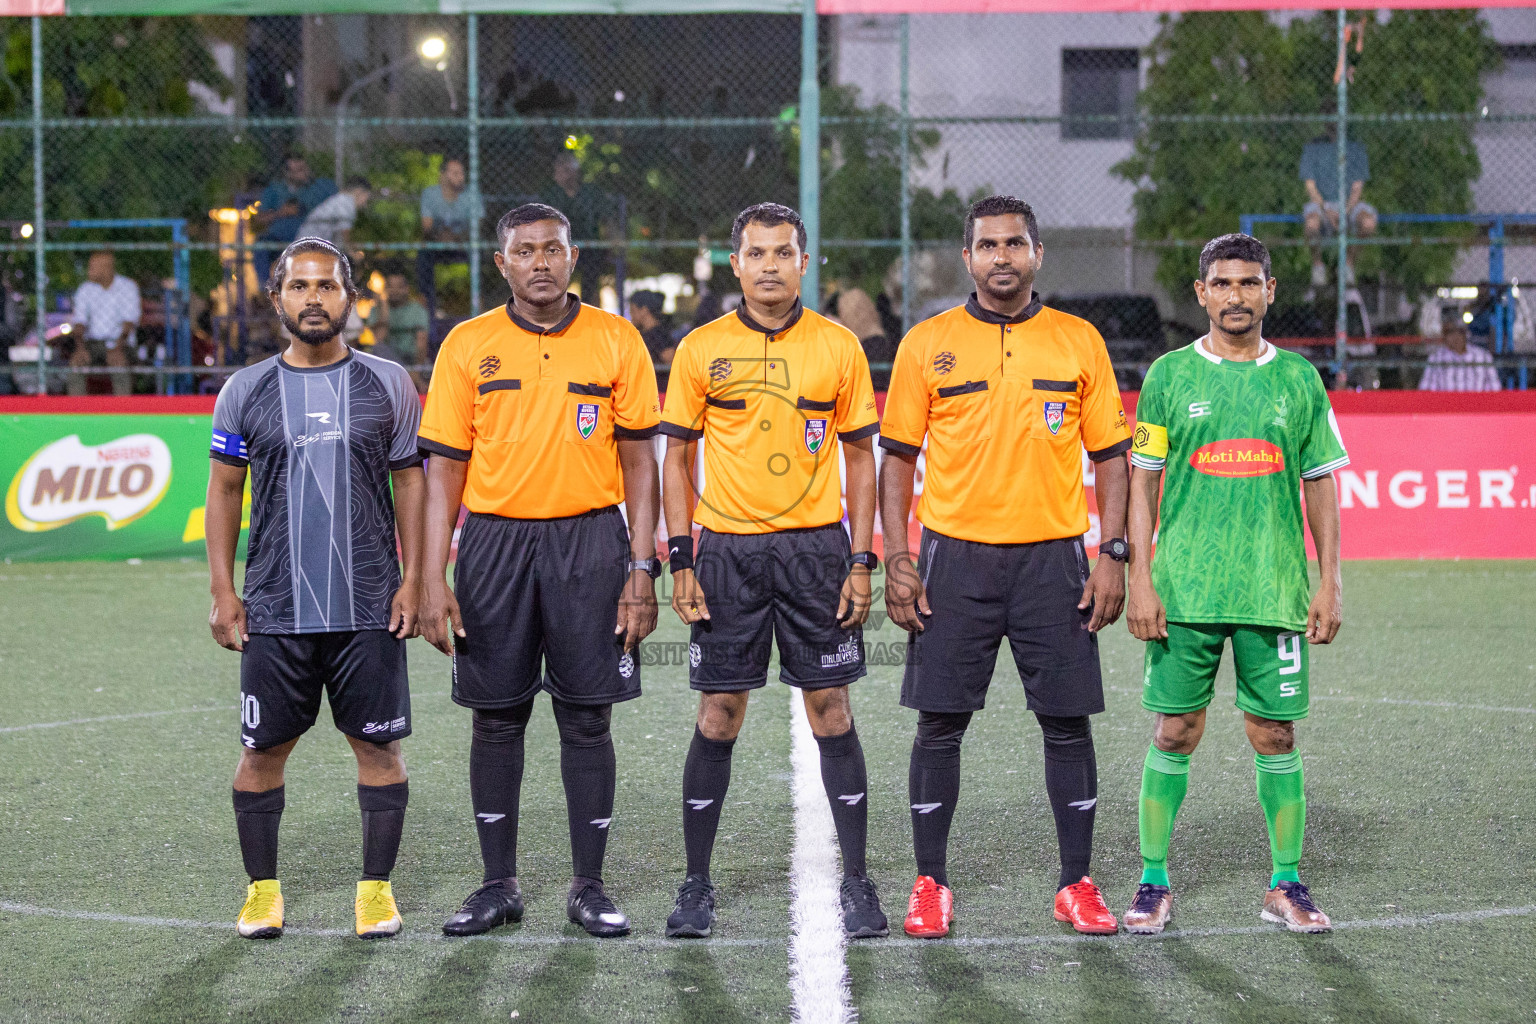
333, 219
1455, 365
105, 314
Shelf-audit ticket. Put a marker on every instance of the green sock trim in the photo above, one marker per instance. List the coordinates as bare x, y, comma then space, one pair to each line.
1284, 876
1170, 763
1278, 764
1159, 876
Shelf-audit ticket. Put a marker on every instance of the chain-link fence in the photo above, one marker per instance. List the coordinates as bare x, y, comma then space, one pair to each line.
193, 148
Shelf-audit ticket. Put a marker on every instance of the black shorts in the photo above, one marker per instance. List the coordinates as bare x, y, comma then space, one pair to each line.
363, 672
542, 593
981, 593
784, 584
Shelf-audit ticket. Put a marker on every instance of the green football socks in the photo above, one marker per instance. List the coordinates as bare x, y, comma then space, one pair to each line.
1285, 810
1164, 780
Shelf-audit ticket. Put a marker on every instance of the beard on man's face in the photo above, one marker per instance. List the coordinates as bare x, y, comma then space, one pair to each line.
314, 326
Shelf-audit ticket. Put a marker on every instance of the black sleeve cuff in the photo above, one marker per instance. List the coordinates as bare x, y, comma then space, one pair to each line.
1105, 454
633, 433
397, 465
679, 431
229, 460
438, 448
861, 433
890, 444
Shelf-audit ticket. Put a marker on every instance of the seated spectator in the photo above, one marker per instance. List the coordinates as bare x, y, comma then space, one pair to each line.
1320, 215
283, 206
447, 209
399, 324
105, 315
645, 312
1455, 365
334, 219
855, 310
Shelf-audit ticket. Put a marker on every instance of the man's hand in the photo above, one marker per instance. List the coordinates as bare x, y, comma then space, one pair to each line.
637, 609
439, 606
227, 620
905, 599
1145, 615
403, 620
1105, 589
688, 598
854, 602
1325, 616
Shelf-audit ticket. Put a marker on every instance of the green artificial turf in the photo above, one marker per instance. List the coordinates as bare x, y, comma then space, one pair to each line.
1418, 756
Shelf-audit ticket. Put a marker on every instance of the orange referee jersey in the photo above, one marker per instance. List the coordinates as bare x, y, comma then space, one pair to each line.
1007, 406
768, 404
537, 413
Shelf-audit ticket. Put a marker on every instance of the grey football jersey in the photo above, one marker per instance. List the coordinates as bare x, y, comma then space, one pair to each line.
321, 443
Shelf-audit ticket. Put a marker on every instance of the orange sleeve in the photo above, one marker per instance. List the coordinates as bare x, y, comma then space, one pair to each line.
448, 421
906, 403
683, 415
636, 407
1105, 432
856, 415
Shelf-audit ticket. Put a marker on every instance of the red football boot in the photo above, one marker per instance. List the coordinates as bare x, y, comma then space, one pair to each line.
1082, 904
930, 910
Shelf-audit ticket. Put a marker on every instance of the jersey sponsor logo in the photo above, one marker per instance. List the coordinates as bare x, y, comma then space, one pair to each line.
586, 419
323, 417
489, 365
1055, 415
324, 435
815, 435
943, 363
1279, 419
1198, 409
66, 480
720, 370
1246, 456
627, 665
393, 725
847, 653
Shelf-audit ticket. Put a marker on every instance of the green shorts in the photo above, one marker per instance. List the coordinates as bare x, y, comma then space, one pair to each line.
1271, 664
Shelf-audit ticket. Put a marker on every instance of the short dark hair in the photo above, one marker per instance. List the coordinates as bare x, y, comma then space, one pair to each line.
528, 213
1234, 247
358, 181
998, 206
770, 215
652, 300
279, 271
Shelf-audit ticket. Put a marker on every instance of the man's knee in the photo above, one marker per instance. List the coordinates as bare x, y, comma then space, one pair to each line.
938, 738
1269, 736
721, 714
1312, 225
828, 710
582, 725
501, 725
1066, 738
1179, 734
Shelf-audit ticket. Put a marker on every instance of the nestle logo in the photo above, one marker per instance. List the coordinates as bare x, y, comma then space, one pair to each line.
719, 370
943, 363
489, 365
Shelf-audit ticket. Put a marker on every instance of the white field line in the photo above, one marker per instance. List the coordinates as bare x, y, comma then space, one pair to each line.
115, 718
1458, 705
818, 976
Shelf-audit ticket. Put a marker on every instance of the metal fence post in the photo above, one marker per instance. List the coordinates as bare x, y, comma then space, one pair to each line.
906, 181
472, 62
38, 228
810, 155
1341, 320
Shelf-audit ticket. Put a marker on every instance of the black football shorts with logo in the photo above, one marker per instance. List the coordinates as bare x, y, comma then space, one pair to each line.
283, 675
542, 593
783, 584
981, 593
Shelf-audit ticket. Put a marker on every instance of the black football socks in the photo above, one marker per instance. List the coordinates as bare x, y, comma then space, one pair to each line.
1072, 782
933, 787
589, 772
257, 816
847, 784
706, 777
496, 783
383, 820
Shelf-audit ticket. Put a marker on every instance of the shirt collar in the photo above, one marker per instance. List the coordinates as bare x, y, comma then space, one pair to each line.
794, 318
573, 307
974, 307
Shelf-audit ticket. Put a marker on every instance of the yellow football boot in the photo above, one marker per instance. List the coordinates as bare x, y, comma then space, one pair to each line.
262, 915
377, 915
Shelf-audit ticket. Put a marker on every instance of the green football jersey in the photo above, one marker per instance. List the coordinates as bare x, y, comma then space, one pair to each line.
1233, 441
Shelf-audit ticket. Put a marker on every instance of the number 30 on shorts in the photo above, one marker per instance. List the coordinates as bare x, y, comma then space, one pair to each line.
250, 711
1288, 646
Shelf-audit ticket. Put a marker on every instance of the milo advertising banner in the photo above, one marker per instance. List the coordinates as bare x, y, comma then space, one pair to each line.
105, 484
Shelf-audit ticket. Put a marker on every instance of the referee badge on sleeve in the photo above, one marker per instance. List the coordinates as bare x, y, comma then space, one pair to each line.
586, 419
815, 435
1055, 412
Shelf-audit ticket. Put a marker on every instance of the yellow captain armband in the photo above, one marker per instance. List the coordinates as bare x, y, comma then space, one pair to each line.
1151, 441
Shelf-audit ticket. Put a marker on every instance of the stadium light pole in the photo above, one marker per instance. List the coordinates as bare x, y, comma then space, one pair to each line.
472, 100
38, 227
906, 180
431, 49
810, 155
1341, 317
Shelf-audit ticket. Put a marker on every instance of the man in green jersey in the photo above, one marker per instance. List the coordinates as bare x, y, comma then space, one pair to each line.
1228, 429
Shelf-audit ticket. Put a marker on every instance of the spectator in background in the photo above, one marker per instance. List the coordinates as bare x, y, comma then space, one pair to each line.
655, 327
399, 324
334, 219
1320, 216
1455, 365
106, 314
855, 310
283, 206
447, 209
589, 211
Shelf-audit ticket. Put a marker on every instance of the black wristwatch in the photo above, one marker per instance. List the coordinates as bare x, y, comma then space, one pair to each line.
868, 559
650, 566
1116, 548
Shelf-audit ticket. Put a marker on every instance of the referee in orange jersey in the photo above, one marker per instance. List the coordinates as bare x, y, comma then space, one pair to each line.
540, 419
772, 390
1008, 394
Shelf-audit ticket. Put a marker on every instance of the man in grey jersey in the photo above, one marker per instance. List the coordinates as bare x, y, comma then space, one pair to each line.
329, 438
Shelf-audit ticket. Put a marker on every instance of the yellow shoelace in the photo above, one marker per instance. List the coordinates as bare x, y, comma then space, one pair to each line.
375, 907
261, 904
